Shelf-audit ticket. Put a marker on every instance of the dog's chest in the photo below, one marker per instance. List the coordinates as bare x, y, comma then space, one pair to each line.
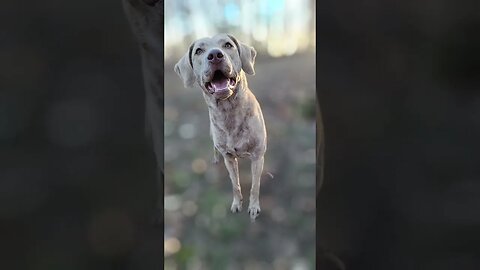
231, 131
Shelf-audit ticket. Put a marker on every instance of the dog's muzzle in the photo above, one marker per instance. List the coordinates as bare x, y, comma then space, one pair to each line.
220, 85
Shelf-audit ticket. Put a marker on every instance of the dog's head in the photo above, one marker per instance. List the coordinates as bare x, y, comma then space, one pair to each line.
215, 64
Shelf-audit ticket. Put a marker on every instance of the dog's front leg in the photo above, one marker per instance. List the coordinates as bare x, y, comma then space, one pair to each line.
254, 204
232, 166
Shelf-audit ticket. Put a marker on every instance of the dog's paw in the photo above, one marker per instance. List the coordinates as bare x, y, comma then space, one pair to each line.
236, 206
254, 211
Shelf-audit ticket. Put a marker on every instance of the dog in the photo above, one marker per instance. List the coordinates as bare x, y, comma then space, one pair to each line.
218, 65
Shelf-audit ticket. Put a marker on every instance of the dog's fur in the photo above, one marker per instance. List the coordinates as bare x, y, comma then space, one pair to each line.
236, 120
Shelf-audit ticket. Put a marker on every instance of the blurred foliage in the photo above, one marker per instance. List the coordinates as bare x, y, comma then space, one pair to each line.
274, 27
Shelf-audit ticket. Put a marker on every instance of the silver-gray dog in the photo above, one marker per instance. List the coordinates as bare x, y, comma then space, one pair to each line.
218, 65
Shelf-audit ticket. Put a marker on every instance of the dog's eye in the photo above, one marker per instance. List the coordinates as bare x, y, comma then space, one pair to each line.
228, 45
199, 51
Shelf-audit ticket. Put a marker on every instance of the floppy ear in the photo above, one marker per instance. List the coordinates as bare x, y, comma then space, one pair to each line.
184, 69
247, 55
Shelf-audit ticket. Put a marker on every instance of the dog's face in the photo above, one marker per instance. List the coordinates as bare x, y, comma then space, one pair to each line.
215, 64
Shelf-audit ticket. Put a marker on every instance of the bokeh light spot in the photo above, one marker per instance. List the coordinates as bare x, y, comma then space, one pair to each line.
172, 203
187, 131
172, 246
189, 208
171, 113
199, 165
300, 264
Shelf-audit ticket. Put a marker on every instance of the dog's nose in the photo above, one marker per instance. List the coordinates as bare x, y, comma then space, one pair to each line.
215, 56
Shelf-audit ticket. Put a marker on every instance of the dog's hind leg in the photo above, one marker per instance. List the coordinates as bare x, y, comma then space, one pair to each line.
254, 204
232, 166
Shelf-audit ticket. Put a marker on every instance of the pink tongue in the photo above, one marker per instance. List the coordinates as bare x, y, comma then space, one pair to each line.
220, 84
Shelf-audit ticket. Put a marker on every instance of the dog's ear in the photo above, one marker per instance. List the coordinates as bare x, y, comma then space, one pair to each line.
184, 69
247, 55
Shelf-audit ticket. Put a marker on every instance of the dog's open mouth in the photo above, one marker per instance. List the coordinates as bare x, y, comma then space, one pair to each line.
220, 83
